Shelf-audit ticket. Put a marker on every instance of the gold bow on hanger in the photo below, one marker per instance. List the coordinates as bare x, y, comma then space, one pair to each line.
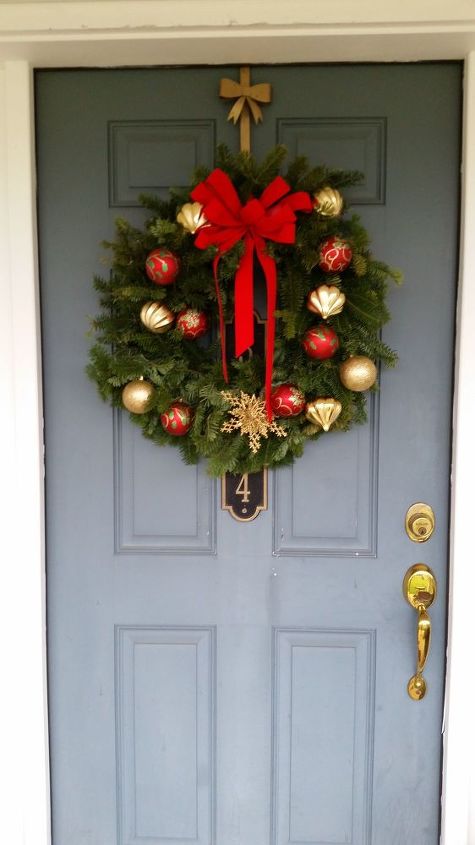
247, 98
249, 95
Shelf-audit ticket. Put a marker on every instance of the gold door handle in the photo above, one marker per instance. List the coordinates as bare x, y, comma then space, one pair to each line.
420, 590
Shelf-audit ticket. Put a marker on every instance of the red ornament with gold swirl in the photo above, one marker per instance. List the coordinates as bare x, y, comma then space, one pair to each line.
287, 400
335, 255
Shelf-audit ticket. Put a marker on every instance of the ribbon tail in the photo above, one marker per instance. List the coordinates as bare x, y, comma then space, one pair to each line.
244, 300
255, 109
222, 327
235, 111
270, 272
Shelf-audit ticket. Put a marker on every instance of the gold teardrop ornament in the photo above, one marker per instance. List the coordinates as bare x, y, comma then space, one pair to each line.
156, 317
323, 412
136, 396
358, 373
326, 300
191, 217
328, 202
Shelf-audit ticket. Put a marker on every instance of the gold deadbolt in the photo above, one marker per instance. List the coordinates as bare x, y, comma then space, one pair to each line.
420, 522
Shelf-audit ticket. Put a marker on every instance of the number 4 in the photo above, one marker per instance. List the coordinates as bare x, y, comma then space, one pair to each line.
243, 488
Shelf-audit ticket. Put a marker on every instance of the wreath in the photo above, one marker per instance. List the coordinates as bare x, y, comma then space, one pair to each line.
242, 392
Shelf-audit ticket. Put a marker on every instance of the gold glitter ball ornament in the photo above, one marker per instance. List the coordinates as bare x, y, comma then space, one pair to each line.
326, 300
323, 412
136, 396
328, 202
156, 317
358, 373
191, 217
248, 416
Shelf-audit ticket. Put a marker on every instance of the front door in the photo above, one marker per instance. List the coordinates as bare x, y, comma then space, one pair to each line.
218, 682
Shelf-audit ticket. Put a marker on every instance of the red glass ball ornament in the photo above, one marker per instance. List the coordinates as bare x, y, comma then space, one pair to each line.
287, 400
335, 255
162, 266
177, 419
320, 342
192, 323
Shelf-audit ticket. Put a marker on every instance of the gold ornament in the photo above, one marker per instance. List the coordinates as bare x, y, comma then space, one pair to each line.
323, 412
358, 373
328, 202
136, 396
326, 300
156, 317
191, 217
248, 414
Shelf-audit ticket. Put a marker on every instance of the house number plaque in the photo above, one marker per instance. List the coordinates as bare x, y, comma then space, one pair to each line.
244, 496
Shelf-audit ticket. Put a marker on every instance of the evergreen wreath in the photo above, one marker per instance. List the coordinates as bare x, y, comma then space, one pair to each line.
157, 358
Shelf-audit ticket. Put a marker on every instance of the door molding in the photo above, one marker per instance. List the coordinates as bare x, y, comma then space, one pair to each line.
125, 33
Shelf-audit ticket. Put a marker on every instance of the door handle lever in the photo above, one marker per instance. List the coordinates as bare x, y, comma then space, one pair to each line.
420, 590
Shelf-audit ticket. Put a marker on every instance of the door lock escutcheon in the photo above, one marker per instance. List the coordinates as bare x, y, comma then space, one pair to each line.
420, 522
420, 590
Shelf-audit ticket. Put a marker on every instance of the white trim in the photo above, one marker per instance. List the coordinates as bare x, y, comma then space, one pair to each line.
143, 32
458, 818
156, 32
23, 711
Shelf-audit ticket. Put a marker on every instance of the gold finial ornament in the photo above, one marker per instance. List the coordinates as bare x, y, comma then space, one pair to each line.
157, 317
248, 415
323, 412
326, 300
328, 202
191, 217
358, 373
136, 396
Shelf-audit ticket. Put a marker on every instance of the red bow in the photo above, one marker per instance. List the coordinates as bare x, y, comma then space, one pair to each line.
271, 217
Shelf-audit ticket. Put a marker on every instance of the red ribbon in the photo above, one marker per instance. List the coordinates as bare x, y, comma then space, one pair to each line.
271, 217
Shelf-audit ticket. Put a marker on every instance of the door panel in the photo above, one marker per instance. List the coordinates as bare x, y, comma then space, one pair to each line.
340, 518
165, 680
229, 683
321, 754
154, 524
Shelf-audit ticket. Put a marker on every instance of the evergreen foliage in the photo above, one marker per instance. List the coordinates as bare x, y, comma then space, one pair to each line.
190, 371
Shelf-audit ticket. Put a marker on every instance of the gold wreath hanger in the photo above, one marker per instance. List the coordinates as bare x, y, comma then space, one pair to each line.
247, 99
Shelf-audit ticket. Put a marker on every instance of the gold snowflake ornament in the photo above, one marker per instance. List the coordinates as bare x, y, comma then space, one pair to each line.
248, 415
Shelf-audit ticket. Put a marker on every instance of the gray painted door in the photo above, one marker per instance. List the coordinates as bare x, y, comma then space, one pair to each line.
218, 682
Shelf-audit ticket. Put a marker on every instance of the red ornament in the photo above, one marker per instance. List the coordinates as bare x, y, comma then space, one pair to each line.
287, 400
335, 255
192, 323
320, 342
177, 419
162, 266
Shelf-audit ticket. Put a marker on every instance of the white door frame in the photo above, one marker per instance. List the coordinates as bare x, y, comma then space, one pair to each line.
145, 32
